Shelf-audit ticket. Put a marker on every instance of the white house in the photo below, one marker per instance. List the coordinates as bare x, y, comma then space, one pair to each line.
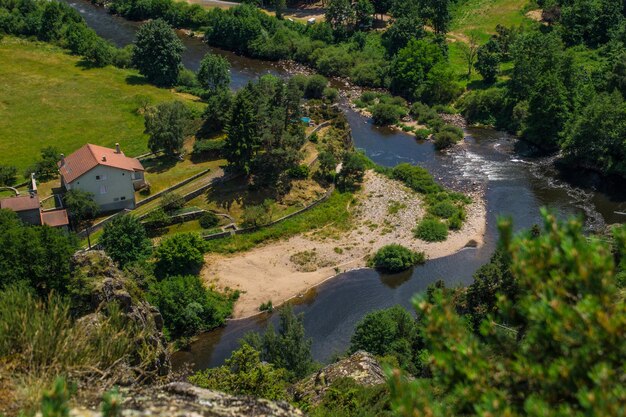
108, 174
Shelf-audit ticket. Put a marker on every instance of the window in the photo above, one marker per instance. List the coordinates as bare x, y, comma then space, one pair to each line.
101, 177
103, 189
123, 198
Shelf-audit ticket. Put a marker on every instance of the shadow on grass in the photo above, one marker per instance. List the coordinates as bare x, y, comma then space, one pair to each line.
237, 191
136, 80
159, 164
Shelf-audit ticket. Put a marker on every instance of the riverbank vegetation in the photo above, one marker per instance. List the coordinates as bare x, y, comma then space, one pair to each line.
518, 317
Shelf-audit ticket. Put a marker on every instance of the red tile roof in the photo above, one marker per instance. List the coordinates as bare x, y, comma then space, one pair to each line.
54, 218
21, 203
90, 156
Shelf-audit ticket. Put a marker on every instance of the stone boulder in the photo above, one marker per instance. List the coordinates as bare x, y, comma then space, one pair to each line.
181, 399
361, 366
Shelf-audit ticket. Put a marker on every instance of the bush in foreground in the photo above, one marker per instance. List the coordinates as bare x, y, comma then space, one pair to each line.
431, 230
395, 258
208, 220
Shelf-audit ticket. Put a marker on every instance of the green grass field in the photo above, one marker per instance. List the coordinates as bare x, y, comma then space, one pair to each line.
482, 16
47, 98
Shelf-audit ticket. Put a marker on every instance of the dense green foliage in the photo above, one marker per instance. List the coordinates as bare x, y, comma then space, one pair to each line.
38, 256
389, 332
59, 23
545, 337
180, 254
208, 220
187, 306
165, 124
431, 230
287, 348
81, 208
244, 374
8, 175
214, 72
264, 135
158, 53
125, 240
395, 258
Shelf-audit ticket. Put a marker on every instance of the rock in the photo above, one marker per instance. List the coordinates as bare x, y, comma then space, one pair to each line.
181, 399
107, 284
361, 366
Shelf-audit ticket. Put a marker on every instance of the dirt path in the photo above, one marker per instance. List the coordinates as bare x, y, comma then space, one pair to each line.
385, 212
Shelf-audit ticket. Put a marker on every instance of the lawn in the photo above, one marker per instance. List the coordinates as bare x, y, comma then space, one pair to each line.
482, 16
48, 98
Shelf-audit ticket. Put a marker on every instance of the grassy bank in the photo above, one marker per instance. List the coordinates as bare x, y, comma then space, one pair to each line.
332, 211
47, 98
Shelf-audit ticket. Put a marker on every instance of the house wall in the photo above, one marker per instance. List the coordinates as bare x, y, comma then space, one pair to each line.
116, 192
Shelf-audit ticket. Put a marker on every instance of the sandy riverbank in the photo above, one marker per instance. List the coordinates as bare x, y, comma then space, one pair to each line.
282, 270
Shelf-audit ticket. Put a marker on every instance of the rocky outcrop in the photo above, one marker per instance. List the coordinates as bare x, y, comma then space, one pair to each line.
361, 366
181, 399
104, 284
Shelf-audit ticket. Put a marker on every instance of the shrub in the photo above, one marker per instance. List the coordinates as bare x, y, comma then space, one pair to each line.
456, 221
431, 230
422, 134
268, 306
395, 258
208, 220
180, 254
172, 201
208, 147
386, 114
245, 374
8, 175
444, 140
444, 209
487, 107
299, 172
417, 178
187, 306
315, 85
331, 94
156, 218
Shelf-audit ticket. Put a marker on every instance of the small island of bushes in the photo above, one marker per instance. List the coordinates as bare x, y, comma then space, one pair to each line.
395, 258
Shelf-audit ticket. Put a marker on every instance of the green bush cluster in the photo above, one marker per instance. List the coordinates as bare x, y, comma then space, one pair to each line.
208, 147
446, 209
208, 220
395, 258
431, 230
180, 254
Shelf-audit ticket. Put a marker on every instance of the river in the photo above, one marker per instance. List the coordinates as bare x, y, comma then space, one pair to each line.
514, 185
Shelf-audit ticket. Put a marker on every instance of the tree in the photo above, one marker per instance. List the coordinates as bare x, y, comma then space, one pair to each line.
214, 72
8, 175
391, 331
158, 53
411, 66
340, 16
352, 170
559, 337
242, 139
39, 256
364, 10
46, 168
469, 51
595, 138
125, 240
51, 22
180, 254
279, 7
289, 348
187, 306
548, 112
438, 12
82, 210
401, 32
488, 61
244, 374
217, 112
385, 114
315, 85
166, 125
